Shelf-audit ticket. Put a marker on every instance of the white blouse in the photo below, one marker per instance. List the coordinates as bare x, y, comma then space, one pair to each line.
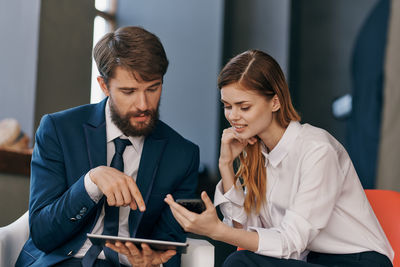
315, 201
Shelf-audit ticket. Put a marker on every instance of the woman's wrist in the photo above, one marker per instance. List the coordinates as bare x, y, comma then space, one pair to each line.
228, 176
218, 231
225, 164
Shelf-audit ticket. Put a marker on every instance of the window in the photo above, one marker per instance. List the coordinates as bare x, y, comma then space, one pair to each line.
104, 22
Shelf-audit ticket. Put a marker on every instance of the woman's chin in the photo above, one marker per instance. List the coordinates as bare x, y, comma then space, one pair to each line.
245, 135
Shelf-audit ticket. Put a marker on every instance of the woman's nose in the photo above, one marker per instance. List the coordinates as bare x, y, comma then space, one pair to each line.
233, 115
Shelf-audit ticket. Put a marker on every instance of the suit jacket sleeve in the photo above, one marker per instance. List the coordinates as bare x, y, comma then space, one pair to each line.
58, 205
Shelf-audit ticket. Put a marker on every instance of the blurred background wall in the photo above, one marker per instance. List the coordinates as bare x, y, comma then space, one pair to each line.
19, 31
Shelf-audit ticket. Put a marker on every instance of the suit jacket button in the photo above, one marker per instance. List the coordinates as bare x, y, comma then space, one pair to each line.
84, 209
78, 217
72, 219
70, 253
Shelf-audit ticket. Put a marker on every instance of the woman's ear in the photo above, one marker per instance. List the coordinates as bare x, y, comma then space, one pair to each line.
276, 105
103, 85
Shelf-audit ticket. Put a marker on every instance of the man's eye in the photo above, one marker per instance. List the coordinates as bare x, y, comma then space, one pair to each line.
152, 89
127, 92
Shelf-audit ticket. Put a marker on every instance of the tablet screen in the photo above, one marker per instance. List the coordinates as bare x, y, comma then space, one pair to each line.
154, 244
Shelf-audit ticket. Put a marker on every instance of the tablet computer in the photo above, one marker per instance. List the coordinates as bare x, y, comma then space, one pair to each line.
154, 244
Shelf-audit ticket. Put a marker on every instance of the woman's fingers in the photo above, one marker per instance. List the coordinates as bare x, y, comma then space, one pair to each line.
207, 201
181, 209
181, 214
252, 140
229, 134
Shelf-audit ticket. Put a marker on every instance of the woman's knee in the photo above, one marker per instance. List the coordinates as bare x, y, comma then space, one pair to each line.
236, 259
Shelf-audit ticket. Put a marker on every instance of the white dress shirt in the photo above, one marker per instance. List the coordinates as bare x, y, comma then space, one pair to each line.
314, 200
131, 157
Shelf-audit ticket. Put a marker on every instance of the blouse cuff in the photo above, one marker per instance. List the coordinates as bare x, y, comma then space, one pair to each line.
231, 204
234, 194
91, 188
269, 242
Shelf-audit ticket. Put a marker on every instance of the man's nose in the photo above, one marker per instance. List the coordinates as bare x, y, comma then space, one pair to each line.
141, 102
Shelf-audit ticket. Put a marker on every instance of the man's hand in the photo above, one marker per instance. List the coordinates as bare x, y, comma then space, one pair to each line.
141, 258
119, 188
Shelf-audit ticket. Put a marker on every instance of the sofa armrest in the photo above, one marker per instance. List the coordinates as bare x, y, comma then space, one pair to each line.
200, 253
12, 238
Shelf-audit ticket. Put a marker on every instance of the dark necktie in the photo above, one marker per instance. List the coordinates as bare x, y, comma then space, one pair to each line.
111, 217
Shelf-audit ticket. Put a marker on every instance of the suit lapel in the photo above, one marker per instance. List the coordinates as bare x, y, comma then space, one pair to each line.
96, 142
96, 145
152, 151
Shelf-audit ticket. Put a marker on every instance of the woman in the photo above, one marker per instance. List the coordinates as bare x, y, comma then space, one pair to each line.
296, 199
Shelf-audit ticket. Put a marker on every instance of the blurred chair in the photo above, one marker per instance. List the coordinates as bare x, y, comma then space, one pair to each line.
386, 205
200, 253
12, 238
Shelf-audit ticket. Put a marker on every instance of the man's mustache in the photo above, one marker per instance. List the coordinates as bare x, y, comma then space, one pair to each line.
140, 113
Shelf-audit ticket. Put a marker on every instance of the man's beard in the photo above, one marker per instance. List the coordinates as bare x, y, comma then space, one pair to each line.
141, 128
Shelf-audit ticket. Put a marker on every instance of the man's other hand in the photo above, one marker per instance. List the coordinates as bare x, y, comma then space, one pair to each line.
146, 257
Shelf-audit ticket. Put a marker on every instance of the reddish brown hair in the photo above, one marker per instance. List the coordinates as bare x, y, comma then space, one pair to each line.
257, 71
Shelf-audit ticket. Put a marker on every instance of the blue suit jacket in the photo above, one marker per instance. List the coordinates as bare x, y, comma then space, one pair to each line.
70, 143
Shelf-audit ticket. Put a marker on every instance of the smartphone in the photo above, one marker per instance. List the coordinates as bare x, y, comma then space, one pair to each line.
194, 205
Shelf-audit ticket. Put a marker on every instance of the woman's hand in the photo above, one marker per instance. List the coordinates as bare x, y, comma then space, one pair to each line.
206, 223
141, 258
232, 145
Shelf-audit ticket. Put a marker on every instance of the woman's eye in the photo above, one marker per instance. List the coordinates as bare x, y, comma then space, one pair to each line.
245, 108
227, 107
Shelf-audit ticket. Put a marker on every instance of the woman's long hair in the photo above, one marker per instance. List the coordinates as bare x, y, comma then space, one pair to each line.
257, 71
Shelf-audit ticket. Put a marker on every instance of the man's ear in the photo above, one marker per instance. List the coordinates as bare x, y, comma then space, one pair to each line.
276, 104
103, 85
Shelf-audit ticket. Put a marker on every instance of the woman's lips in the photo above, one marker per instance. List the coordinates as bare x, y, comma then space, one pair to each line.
239, 127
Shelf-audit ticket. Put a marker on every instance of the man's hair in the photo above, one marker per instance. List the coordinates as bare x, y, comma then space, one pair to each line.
134, 49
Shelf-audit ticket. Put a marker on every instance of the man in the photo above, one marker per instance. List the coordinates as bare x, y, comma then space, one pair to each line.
87, 178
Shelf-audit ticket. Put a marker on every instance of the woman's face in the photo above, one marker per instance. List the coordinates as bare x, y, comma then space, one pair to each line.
249, 113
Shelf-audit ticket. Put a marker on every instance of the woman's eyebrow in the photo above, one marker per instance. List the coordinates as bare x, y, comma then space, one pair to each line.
236, 103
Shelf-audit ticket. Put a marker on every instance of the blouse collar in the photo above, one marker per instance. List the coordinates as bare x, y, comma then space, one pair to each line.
279, 152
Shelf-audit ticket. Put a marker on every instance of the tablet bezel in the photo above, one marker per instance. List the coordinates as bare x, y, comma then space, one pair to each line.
159, 245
